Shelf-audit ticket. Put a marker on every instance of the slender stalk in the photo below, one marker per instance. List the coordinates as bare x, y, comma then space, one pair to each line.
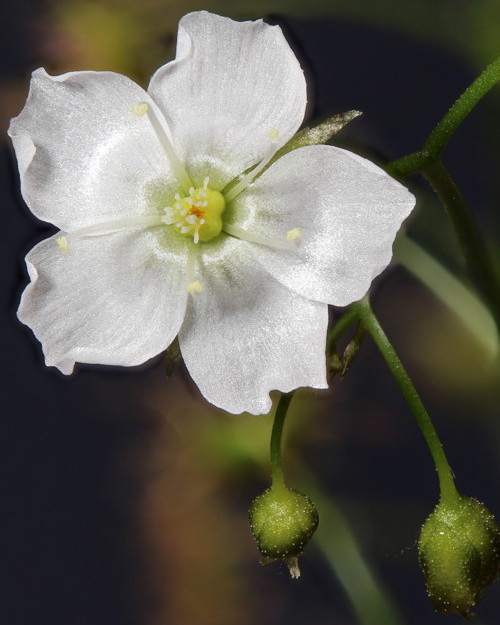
442, 133
278, 479
427, 161
342, 324
479, 263
372, 325
439, 137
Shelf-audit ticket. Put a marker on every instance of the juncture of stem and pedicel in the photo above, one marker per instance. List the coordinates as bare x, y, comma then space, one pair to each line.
428, 161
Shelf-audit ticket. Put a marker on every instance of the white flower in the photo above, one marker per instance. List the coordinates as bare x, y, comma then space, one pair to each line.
154, 241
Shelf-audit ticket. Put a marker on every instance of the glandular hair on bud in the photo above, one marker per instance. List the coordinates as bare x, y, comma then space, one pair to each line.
282, 521
459, 552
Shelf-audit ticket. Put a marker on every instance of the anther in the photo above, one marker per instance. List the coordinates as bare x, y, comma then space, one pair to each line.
195, 287
293, 234
62, 244
274, 134
139, 108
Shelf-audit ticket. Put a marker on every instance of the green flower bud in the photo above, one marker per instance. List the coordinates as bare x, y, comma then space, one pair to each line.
282, 522
459, 550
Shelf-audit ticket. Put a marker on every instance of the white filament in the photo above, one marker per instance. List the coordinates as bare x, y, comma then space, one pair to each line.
143, 221
166, 144
247, 178
253, 237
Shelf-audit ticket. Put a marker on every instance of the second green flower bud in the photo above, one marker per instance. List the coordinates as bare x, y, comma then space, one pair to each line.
459, 551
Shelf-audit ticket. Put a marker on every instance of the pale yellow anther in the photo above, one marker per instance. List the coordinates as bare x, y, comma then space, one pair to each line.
139, 109
293, 234
195, 287
275, 134
62, 244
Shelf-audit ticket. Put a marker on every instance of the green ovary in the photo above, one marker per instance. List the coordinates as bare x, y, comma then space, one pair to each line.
213, 215
199, 215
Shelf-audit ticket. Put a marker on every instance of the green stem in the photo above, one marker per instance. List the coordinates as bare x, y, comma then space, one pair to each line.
473, 245
278, 479
439, 137
372, 325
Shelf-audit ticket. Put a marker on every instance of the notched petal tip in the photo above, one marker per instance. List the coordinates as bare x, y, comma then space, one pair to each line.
241, 118
65, 366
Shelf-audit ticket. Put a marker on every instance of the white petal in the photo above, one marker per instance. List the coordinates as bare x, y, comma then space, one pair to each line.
232, 83
83, 155
245, 334
115, 299
347, 210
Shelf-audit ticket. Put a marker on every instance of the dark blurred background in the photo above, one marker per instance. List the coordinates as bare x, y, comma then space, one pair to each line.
124, 495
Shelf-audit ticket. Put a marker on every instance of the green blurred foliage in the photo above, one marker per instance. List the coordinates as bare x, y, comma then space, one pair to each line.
124, 35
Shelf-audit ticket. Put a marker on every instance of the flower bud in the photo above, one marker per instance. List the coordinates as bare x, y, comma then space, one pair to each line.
459, 550
282, 521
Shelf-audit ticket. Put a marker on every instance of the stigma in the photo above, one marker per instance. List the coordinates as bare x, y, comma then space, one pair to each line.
199, 214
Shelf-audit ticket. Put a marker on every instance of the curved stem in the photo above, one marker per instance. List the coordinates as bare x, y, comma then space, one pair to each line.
442, 133
278, 479
473, 245
342, 324
372, 325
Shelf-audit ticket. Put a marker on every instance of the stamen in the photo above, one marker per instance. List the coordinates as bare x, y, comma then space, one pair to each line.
251, 175
108, 226
253, 237
141, 109
193, 286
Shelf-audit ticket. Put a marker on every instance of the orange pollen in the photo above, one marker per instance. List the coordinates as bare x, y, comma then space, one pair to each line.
197, 211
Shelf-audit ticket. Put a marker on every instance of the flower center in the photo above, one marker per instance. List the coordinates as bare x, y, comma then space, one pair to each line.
199, 214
